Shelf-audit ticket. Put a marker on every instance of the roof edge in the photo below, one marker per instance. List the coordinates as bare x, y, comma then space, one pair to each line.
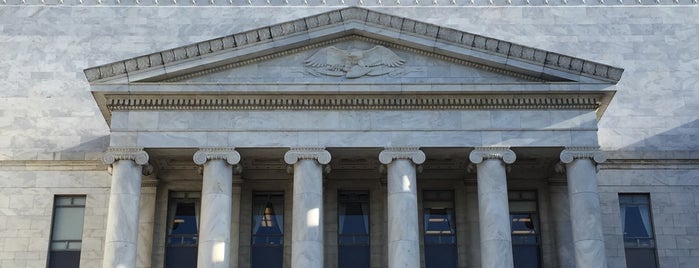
451, 36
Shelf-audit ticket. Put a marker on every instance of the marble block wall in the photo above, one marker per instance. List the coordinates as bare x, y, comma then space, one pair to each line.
48, 112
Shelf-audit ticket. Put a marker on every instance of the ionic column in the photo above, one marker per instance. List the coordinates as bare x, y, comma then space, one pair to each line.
307, 216
403, 219
585, 215
215, 218
493, 206
121, 239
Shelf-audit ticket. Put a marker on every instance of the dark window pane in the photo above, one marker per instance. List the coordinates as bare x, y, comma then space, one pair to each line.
184, 257
440, 256
183, 230
439, 229
636, 221
640, 258
524, 222
267, 230
353, 229
64, 259
525, 256
66, 231
353, 256
267, 256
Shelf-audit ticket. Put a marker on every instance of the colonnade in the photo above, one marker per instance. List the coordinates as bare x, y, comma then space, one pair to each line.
307, 225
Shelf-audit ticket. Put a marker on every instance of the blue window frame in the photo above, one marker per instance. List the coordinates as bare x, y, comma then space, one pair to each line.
267, 249
439, 229
637, 225
353, 229
182, 229
524, 222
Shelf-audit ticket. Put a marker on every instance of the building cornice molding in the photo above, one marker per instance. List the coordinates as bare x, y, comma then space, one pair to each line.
413, 154
345, 3
230, 155
466, 101
347, 21
479, 154
313, 153
53, 165
136, 154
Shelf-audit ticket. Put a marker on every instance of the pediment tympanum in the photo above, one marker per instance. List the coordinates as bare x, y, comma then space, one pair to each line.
352, 59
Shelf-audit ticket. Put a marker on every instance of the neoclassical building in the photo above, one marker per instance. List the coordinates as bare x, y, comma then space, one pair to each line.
294, 136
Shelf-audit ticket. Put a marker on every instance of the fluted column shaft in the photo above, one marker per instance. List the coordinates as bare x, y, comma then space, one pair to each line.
307, 218
403, 219
493, 206
585, 211
215, 229
121, 239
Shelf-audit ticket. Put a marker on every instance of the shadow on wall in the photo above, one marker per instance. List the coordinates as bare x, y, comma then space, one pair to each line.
91, 149
684, 137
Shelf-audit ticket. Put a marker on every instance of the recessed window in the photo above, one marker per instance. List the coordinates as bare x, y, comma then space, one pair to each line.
439, 228
353, 229
66, 231
182, 229
267, 249
524, 221
637, 225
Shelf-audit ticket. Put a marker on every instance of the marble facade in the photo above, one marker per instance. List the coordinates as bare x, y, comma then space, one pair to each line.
465, 101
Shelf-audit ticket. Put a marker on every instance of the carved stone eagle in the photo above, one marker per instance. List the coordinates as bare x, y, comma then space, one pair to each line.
353, 63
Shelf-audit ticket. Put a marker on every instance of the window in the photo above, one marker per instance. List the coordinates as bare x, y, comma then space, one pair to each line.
637, 226
267, 230
66, 231
524, 221
182, 229
353, 229
439, 228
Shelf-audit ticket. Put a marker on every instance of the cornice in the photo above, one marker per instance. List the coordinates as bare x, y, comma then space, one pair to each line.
357, 20
345, 3
366, 101
53, 165
649, 164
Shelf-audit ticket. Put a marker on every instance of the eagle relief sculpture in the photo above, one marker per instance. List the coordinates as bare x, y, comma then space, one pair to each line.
354, 63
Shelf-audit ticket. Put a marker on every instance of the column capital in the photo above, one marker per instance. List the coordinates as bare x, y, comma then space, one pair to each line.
113, 154
314, 153
231, 156
482, 153
571, 153
411, 153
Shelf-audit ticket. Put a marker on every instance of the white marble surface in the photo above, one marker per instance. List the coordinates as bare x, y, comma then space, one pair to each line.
403, 225
215, 218
146, 227
122, 222
307, 226
494, 214
585, 210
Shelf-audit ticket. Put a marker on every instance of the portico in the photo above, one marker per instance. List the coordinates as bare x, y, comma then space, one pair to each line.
349, 106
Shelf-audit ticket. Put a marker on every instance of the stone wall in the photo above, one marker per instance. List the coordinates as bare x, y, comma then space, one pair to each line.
48, 112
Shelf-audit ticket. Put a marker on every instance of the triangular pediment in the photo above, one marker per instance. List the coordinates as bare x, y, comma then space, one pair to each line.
402, 34
353, 59
349, 59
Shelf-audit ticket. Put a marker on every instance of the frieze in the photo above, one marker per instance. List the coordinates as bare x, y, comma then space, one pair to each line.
353, 102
